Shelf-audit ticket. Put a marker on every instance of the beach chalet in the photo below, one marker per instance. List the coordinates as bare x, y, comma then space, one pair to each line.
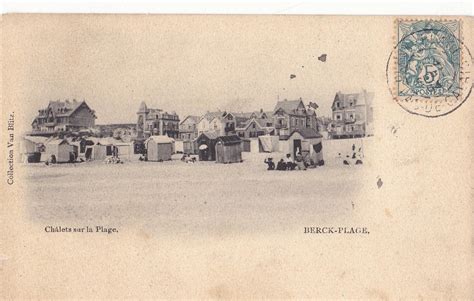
190, 147
159, 148
228, 149
206, 143
60, 151
125, 150
31, 148
305, 140
98, 148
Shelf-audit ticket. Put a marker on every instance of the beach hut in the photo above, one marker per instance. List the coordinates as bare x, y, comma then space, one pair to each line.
190, 147
179, 146
92, 149
305, 140
60, 150
31, 148
228, 149
246, 144
124, 150
206, 143
159, 148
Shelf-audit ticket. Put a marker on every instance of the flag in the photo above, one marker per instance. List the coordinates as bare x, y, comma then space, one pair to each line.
313, 105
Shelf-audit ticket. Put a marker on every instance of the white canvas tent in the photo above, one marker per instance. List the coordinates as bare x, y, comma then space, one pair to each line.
268, 143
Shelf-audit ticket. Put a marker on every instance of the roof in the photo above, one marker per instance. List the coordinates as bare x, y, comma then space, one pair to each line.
361, 98
160, 139
108, 141
244, 115
209, 135
211, 115
36, 139
229, 140
95, 140
307, 133
57, 142
63, 108
289, 106
143, 108
193, 118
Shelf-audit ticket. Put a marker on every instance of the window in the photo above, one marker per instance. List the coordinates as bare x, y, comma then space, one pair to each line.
337, 105
338, 117
253, 125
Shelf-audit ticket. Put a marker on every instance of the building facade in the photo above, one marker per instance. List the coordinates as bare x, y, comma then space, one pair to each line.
290, 115
219, 123
254, 124
352, 115
63, 117
156, 122
188, 130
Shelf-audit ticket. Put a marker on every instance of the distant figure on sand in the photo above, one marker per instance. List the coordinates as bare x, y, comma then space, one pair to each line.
189, 159
290, 165
281, 165
270, 163
355, 157
299, 162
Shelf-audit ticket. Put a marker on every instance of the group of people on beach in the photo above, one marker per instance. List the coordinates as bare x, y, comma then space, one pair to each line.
301, 162
354, 158
113, 160
186, 158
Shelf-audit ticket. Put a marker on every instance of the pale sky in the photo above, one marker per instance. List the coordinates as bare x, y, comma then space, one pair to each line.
189, 64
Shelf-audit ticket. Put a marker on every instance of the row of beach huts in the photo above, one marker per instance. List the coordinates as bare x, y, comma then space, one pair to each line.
207, 147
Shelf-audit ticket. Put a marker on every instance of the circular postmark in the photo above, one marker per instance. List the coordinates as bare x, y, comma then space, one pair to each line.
428, 70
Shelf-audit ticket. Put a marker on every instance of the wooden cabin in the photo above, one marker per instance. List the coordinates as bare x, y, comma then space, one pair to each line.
302, 140
206, 143
228, 149
159, 148
60, 150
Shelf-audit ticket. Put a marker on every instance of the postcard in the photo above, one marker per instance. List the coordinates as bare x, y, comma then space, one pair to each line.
236, 157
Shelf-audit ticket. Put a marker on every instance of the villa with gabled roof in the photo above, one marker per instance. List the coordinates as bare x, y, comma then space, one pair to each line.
352, 115
289, 115
62, 117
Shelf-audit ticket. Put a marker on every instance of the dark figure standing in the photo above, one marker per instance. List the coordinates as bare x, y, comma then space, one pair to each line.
270, 163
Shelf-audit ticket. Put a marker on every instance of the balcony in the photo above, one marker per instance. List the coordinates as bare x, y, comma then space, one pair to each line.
229, 128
